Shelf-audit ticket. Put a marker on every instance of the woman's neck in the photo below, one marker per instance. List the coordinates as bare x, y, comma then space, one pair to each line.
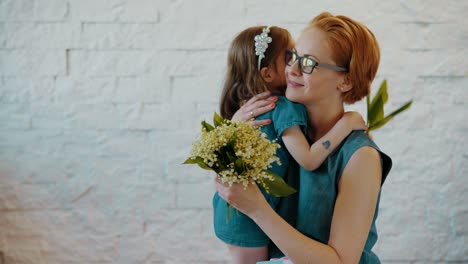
322, 118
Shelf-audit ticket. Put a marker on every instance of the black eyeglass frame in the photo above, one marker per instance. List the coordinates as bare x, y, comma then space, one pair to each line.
314, 62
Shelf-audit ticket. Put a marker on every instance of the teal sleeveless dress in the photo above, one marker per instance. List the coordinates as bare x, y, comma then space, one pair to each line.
240, 230
318, 191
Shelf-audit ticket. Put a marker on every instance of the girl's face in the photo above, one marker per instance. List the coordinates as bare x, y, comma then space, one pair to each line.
322, 84
279, 81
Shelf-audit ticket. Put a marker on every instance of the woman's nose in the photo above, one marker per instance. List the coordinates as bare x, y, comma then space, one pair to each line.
294, 69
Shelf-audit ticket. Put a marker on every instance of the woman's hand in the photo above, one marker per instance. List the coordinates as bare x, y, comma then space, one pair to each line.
248, 201
257, 105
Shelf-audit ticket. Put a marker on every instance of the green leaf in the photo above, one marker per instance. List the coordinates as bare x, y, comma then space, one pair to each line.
240, 166
390, 116
381, 93
278, 187
199, 161
207, 126
217, 120
232, 157
376, 111
368, 107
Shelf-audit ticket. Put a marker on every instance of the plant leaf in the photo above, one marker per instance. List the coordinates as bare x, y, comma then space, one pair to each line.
382, 92
217, 120
231, 157
368, 107
376, 111
278, 187
207, 126
240, 166
199, 161
390, 116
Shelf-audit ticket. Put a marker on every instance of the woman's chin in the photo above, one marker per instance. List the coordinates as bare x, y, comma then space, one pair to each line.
292, 94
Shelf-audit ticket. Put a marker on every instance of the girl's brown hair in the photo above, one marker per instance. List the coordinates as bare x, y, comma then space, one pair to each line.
354, 47
243, 79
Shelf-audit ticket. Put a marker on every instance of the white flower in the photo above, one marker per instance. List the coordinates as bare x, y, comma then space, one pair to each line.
238, 153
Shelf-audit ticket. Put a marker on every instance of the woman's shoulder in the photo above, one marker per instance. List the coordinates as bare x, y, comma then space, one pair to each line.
357, 140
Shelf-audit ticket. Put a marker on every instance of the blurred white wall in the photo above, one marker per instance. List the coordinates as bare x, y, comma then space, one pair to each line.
100, 101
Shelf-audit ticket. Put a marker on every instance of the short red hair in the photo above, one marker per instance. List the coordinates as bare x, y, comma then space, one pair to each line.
354, 47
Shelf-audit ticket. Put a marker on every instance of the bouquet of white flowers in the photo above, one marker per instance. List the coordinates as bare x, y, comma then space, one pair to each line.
238, 153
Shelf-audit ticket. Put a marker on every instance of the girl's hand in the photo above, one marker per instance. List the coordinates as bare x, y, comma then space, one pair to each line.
257, 105
248, 201
353, 121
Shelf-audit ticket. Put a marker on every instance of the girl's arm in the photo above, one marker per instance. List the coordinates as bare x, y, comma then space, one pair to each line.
354, 210
257, 105
311, 158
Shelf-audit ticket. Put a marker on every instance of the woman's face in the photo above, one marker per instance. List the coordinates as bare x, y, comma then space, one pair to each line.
322, 84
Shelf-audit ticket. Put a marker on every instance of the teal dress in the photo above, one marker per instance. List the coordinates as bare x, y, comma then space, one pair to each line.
318, 191
240, 230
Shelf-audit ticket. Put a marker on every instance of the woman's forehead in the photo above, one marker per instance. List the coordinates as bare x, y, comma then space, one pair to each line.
312, 42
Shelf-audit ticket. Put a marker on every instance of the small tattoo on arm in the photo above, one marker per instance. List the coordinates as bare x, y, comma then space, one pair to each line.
326, 144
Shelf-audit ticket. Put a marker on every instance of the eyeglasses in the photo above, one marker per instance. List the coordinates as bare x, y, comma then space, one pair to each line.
307, 64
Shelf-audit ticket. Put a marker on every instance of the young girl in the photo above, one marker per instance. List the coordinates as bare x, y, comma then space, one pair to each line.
256, 64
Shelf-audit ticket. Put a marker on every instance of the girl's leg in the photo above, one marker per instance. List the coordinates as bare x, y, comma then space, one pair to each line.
247, 255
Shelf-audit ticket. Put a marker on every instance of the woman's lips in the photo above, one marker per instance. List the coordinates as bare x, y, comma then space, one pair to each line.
294, 84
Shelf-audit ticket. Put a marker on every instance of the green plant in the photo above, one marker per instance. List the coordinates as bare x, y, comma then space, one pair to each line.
375, 108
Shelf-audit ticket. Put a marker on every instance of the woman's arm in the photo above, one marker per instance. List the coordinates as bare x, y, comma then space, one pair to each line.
358, 191
310, 158
353, 214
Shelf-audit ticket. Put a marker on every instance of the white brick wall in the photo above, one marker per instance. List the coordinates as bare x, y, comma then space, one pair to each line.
101, 99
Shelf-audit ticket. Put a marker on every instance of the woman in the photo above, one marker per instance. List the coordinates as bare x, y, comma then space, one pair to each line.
256, 64
338, 203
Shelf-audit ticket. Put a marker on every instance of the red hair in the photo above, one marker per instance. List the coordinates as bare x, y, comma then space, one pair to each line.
354, 47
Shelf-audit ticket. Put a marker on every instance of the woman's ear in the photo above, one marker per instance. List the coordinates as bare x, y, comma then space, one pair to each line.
267, 74
345, 85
